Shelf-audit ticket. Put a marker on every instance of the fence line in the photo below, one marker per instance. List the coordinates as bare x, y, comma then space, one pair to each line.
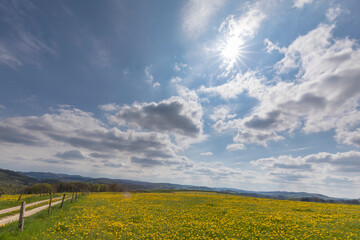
22, 214
28, 205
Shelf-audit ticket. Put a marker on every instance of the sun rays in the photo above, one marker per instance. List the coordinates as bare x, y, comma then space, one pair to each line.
232, 51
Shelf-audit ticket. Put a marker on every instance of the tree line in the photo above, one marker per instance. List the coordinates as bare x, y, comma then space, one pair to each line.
47, 188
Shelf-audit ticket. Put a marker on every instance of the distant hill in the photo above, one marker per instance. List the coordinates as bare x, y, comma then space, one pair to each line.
129, 184
296, 195
41, 176
277, 194
32, 177
15, 178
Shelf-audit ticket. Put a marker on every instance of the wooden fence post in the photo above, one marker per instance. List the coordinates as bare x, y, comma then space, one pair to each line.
20, 197
72, 197
49, 210
62, 202
21, 216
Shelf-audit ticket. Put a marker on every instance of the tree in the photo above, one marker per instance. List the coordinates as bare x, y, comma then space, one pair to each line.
104, 188
95, 187
40, 188
82, 187
115, 187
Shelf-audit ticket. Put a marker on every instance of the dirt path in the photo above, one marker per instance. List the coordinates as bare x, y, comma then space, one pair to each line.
27, 205
28, 213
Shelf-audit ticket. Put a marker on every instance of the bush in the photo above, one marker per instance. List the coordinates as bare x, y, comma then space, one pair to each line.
40, 188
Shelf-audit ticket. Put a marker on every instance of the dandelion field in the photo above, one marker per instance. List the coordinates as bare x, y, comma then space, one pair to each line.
190, 215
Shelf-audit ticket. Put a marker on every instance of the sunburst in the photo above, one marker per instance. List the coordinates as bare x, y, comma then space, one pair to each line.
232, 51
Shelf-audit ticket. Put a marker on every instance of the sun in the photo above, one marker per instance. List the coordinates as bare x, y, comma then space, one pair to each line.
231, 51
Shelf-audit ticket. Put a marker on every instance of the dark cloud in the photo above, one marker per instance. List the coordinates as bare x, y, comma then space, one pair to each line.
356, 141
101, 155
79, 129
343, 162
263, 123
70, 155
113, 165
166, 116
307, 102
15, 135
260, 137
339, 58
146, 162
53, 161
289, 177
292, 166
37, 124
157, 154
310, 100
110, 141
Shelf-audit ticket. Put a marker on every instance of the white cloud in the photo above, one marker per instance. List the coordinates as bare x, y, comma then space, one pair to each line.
324, 94
206, 154
221, 113
148, 74
175, 80
314, 165
22, 46
178, 114
179, 66
301, 3
216, 173
303, 50
250, 81
150, 77
235, 147
156, 84
323, 171
348, 137
197, 14
237, 32
71, 136
247, 136
7, 58
100, 56
28, 99
246, 25
2, 106
109, 107
333, 13
270, 47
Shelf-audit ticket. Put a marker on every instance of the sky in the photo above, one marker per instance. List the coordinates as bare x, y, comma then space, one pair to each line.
256, 95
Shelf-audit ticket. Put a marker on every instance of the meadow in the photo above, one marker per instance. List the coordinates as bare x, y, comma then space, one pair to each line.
189, 215
8, 200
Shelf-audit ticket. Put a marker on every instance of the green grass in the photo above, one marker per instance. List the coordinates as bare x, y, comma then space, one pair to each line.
13, 203
189, 215
38, 222
27, 208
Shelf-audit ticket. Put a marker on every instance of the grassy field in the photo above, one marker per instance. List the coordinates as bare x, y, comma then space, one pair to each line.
7, 201
189, 216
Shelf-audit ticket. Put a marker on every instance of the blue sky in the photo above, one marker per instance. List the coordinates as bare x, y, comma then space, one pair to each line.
257, 95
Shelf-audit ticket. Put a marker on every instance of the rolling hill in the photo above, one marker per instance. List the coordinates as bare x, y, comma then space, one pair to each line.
28, 178
15, 178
